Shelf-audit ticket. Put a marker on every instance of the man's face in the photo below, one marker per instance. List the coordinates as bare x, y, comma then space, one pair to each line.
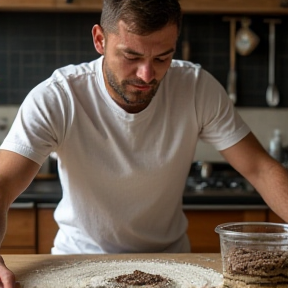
134, 65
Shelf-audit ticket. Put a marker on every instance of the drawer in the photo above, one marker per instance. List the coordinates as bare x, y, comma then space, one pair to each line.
21, 227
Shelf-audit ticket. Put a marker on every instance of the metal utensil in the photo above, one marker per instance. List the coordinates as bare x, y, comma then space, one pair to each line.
246, 39
186, 45
232, 75
206, 169
272, 93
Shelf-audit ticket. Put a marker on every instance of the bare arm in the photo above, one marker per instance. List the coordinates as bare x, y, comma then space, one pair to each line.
16, 173
268, 176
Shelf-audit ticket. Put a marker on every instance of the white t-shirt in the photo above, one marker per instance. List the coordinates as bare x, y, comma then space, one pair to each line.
122, 174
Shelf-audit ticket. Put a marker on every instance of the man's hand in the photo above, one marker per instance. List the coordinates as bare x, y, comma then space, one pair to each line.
7, 277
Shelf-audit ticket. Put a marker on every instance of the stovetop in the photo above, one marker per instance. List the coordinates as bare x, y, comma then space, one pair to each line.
236, 184
222, 185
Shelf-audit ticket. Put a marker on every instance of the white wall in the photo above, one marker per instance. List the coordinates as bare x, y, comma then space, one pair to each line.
262, 122
7, 116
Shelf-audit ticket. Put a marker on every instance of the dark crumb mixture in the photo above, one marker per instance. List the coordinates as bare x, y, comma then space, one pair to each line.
139, 278
256, 262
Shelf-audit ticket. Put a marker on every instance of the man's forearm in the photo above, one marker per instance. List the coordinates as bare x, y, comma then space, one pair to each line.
268, 176
274, 189
7, 277
3, 225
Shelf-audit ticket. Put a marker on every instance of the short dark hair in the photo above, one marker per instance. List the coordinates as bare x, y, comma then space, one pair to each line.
142, 16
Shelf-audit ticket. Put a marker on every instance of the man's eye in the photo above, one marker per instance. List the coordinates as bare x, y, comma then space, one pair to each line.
130, 58
161, 59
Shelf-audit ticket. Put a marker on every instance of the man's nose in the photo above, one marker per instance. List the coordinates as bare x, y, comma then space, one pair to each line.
146, 72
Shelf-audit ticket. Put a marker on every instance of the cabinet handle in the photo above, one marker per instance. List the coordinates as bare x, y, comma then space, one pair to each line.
284, 3
47, 205
224, 207
28, 205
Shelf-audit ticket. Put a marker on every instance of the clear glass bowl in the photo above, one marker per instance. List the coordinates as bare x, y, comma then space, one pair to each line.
254, 253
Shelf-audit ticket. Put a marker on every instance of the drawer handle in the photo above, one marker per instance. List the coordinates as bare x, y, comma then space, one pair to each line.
28, 205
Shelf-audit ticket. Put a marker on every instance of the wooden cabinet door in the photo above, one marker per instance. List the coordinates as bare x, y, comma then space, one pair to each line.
18, 250
274, 218
188, 6
28, 5
20, 235
234, 6
79, 5
195, 6
46, 228
202, 223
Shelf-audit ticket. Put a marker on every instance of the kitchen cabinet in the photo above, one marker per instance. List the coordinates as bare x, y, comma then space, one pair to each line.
46, 228
202, 223
51, 5
272, 217
200, 230
188, 6
79, 5
27, 5
20, 237
32, 230
235, 6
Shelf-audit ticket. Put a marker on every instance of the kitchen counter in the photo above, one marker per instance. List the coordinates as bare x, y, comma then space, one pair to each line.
226, 197
50, 191
42, 191
24, 264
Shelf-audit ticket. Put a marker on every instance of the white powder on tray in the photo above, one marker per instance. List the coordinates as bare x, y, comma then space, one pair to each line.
98, 274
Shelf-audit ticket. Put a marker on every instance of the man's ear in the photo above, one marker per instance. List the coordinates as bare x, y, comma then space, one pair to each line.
98, 39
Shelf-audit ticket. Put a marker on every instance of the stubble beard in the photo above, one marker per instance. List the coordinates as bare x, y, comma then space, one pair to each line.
121, 88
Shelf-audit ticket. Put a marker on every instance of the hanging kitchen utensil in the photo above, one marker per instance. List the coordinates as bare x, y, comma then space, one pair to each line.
246, 39
186, 44
272, 93
232, 76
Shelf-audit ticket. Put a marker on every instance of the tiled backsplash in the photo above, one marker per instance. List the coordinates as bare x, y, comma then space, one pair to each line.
209, 38
33, 45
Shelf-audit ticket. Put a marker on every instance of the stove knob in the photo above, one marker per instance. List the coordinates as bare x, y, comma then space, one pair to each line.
219, 184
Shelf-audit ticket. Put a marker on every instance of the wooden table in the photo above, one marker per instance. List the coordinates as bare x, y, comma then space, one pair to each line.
22, 264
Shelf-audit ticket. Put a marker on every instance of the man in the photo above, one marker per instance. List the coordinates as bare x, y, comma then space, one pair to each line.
125, 128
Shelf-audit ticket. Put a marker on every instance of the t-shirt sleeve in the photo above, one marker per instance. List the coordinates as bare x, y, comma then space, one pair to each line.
219, 123
39, 126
